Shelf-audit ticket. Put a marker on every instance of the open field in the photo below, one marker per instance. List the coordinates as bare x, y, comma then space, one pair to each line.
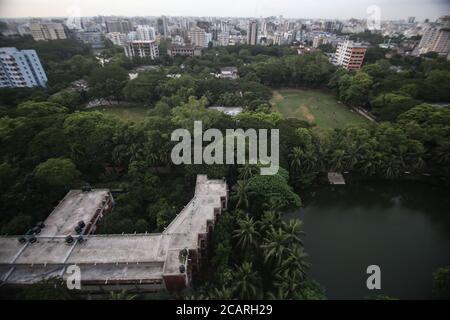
126, 113
315, 106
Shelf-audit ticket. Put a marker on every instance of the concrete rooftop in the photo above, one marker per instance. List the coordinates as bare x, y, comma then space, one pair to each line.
103, 257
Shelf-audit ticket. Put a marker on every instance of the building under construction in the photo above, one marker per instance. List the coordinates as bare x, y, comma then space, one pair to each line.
135, 262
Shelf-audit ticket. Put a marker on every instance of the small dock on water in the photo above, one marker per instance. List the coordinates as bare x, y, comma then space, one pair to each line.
336, 178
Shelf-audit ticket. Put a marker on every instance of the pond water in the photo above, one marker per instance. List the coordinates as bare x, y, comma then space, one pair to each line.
403, 227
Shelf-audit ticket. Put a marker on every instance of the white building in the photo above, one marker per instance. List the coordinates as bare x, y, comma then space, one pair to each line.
434, 39
252, 33
198, 37
119, 39
141, 49
21, 69
223, 38
349, 55
47, 31
145, 32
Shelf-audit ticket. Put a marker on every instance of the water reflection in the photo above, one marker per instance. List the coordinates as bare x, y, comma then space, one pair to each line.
404, 227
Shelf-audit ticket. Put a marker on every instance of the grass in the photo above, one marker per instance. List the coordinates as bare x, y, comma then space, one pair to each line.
126, 113
315, 106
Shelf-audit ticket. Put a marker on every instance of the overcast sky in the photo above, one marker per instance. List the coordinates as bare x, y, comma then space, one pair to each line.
343, 9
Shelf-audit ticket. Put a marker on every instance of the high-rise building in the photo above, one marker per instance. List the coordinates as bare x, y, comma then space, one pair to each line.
47, 31
163, 28
119, 39
122, 26
144, 32
94, 39
349, 55
252, 33
141, 49
198, 37
411, 20
442, 42
434, 39
223, 38
21, 69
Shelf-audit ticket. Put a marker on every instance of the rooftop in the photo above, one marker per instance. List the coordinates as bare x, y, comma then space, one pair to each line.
74, 207
103, 258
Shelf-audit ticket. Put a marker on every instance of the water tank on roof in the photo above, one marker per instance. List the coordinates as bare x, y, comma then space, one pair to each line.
36, 230
22, 239
78, 229
81, 224
182, 268
69, 239
32, 239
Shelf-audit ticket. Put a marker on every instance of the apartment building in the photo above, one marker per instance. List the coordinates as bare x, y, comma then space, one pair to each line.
47, 31
141, 49
184, 51
21, 69
252, 33
144, 32
119, 39
349, 55
198, 37
133, 262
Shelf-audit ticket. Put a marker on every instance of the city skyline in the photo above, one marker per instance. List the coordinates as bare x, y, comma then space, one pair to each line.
341, 9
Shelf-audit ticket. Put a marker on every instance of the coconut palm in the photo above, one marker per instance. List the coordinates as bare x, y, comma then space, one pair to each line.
247, 233
241, 193
294, 261
293, 230
271, 219
247, 281
247, 171
275, 246
223, 293
122, 295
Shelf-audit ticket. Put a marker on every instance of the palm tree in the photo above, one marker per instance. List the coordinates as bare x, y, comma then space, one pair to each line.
241, 193
122, 295
275, 246
247, 171
270, 220
247, 233
293, 230
295, 261
338, 160
247, 281
223, 293
301, 159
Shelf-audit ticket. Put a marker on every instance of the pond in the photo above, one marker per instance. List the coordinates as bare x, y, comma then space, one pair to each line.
403, 227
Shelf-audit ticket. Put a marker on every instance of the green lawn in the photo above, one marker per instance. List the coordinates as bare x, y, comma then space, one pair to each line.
126, 113
315, 106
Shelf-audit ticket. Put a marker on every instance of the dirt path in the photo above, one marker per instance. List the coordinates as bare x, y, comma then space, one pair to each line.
307, 114
277, 96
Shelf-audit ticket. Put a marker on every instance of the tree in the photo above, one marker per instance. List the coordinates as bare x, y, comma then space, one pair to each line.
58, 173
146, 88
247, 233
241, 194
49, 289
354, 89
69, 99
389, 106
40, 109
108, 81
246, 281
275, 246
273, 189
441, 282
17, 225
